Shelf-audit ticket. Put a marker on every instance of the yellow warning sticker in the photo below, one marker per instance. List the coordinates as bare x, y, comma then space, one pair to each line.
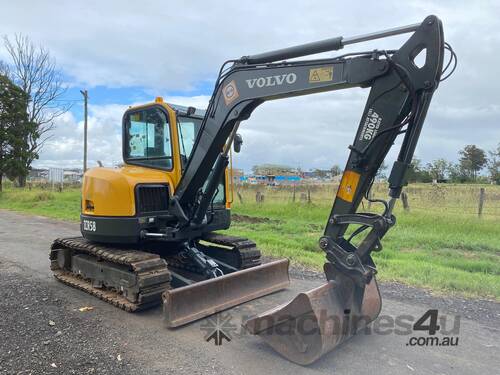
323, 74
348, 186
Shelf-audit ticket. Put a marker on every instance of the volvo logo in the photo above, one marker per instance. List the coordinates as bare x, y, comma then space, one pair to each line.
278, 80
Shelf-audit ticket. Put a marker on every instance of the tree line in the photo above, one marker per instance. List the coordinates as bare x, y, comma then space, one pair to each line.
31, 87
472, 161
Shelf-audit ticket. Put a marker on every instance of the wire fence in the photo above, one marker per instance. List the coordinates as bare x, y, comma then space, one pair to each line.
478, 200
466, 199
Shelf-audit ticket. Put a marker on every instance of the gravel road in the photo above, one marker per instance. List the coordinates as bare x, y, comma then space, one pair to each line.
43, 331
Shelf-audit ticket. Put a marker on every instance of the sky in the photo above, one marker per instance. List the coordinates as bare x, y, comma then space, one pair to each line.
126, 53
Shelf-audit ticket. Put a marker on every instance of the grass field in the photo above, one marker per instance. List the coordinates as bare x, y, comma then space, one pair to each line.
439, 244
63, 205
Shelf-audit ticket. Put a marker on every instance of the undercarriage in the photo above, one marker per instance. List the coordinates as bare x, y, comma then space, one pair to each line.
138, 277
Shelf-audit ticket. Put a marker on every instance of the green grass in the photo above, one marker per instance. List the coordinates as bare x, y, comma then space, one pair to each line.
63, 205
436, 245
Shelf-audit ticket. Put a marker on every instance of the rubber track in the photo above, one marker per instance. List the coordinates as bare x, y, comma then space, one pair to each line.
136, 259
145, 265
106, 295
249, 255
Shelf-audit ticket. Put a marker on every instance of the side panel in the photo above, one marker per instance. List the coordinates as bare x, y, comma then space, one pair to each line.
107, 192
111, 192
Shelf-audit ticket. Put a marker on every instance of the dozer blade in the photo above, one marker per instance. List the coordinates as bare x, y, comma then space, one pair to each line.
317, 321
189, 303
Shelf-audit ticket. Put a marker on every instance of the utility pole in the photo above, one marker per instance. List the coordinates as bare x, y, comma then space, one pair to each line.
85, 102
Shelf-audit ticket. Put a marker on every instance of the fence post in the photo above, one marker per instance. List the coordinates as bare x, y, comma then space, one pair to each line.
404, 199
259, 197
308, 195
293, 194
481, 202
239, 197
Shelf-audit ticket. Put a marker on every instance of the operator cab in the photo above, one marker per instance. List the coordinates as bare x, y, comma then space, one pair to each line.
155, 133
148, 137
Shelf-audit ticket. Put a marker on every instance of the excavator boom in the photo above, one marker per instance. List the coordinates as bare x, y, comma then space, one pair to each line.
401, 90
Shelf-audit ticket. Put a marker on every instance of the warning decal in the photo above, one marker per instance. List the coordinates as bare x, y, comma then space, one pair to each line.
348, 186
323, 74
230, 92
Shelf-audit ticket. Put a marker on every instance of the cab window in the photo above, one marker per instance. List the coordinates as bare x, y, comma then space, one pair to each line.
188, 128
147, 139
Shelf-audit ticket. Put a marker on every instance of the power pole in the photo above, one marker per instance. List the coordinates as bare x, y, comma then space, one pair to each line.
85, 102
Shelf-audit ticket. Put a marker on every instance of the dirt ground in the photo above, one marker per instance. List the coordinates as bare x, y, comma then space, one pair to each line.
43, 330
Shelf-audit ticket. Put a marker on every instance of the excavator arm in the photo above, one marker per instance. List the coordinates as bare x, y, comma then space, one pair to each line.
400, 94
401, 89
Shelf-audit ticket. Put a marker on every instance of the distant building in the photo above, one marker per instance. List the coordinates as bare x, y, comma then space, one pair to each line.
318, 174
237, 175
273, 170
38, 174
308, 174
70, 175
270, 180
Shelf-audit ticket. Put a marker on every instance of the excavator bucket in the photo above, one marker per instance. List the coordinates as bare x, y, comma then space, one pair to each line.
315, 322
192, 302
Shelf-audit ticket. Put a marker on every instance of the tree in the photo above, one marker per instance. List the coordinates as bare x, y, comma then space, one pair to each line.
35, 72
272, 169
494, 165
417, 173
457, 174
413, 170
438, 169
321, 173
472, 160
14, 126
381, 171
336, 170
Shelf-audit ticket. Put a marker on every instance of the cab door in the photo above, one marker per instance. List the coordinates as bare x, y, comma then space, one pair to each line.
150, 139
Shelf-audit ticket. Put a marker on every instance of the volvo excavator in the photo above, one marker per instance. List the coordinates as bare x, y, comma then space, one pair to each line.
149, 228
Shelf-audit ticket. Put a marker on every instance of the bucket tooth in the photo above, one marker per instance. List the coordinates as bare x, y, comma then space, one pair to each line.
192, 302
315, 322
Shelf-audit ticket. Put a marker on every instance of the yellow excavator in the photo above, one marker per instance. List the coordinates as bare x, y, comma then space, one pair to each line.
149, 228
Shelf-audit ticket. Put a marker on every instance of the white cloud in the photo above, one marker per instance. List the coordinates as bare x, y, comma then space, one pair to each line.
311, 131
178, 46
65, 148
